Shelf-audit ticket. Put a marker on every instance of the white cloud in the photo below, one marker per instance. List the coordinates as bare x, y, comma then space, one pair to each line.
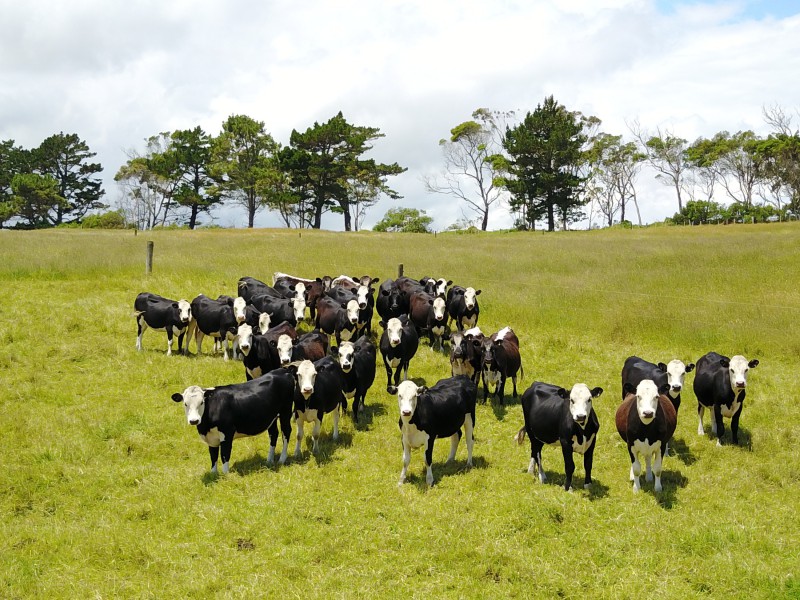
117, 73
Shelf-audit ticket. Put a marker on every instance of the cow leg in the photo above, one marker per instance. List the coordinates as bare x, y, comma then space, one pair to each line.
429, 461
636, 469
224, 338
569, 463
181, 348
588, 460
536, 458
514, 381
405, 364
336, 423
141, 327
648, 474
469, 427
406, 462
213, 451
315, 433
299, 423
657, 464
720, 425
735, 426
286, 434
198, 341
500, 388
485, 386
225, 447
273, 441
169, 341
389, 387
700, 412
454, 439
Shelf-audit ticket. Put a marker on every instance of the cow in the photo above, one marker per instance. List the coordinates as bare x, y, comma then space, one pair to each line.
261, 352
720, 384
339, 319
309, 346
358, 367
213, 318
162, 314
258, 320
429, 314
462, 306
436, 412
398, 345
436, 287
553, 415
637, 369
646, 421
250, 287
318, 391
466, 353
388, 303
501, 360
280, 309
224, 413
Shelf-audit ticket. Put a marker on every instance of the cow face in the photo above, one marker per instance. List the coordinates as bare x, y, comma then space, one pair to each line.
306, 376
362, 296
441, 286
458, 350
184, 311
470, 297
676, 372
647, 400
489, 348
580, 402
239, 306
346, 353
299, 308
352, 311
264, 321
300, 290
407, 393
284, 348
245, 335
394, 331
439, 308
194, 401
738, 366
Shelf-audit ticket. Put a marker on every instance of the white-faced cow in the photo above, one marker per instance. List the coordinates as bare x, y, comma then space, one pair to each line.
462, 306
161, 314
280, 309
636, 370
261, 353
501, 360
720, 384
466, 353
429, 314
556, 415
227, 412
398, 346
318, 391
358, 367
646, 421
436, 412
338, 318
213, 318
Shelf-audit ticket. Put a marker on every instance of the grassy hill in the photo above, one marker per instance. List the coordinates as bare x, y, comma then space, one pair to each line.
106, 490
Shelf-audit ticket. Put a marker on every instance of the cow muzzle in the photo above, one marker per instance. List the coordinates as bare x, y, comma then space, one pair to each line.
648, 414
580, 420
677, 388
405, 413
194, 421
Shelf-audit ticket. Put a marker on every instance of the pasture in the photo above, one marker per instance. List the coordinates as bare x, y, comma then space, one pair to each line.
106, 491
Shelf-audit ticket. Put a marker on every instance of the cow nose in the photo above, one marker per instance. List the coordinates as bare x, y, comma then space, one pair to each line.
406, 413
580, 418
194, 421
307, 391
362, 305
676, 388
648, 414
740, 384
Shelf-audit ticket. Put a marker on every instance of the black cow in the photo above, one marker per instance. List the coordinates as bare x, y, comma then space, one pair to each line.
214, 318
462, 306
250, 287
262, 351
358, 366
646, 421
436, 412
398, 345
635, 370
310, 346
466, 353
501, 360
319, 391
719, 384
429, 314
338, 318
243, 409
388, 302
280, 309
553, 414
162, 314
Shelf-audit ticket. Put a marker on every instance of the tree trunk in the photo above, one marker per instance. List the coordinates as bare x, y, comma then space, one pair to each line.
551, 221
317, 217
485, 222
193, 217
347, 222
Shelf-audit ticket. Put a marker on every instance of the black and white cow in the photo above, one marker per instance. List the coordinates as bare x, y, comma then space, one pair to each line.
466, 353
250, 287
339, 319
261, 351
436, 412
388, 303
556, 415
224, 413
318, 391
436, 287
720, 384
429, 314
280, 309
162, 314
358, 366
213, 318
462, 306
501, 360
646, 421
310, 346
636, 370
398, 346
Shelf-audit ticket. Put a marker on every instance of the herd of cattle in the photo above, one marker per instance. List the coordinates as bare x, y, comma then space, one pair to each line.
297, 378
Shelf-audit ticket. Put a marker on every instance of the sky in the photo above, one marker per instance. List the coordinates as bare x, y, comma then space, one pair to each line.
117, 73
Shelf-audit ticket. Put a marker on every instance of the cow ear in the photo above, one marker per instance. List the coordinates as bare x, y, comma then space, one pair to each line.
423, 389
207, 393
662, 367
753, 363
449, 282
291, 287
430, 301
477, 292
597, 392
690, 367
563, 393
273, 343
628, 388
663, 388
174, 305
374, 280
177, 397
724, 362
344, 304
382, 324
384, 292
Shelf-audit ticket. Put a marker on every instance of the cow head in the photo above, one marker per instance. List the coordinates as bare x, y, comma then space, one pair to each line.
738, 366
580, 402
407, 394
441, 286
284, 347
647, 394
439, 308
676, 371
346, 352
299, 308
362, 296
470, 298
300, 290
263, 322
239, 306
245, 335
489, 347
458, 350
194, 401
184, 311
352, 311
306, 376
394, 331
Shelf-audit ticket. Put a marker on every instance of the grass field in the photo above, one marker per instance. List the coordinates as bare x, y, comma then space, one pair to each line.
106, 491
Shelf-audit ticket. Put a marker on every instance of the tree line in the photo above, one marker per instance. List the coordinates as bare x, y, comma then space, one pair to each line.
551, 167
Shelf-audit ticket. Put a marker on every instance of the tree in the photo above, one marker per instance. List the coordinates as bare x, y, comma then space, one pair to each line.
544, 165
666, 155
781, 155
65, 158
697, 212
471, 171
405, 220
189, 164
34, 197
244, 156
13, 161
615, 166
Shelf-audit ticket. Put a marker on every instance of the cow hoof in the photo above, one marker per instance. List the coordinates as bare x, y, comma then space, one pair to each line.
719, 444
586, 486
391, 389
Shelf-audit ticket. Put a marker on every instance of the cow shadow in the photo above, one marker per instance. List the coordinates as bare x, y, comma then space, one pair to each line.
671, 482
257, 462
442, 470
597, 490
367, 414
326, 450
745, 438
679, 450
500, 409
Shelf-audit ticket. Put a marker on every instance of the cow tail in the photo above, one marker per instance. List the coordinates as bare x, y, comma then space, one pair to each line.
520, 437
521, 371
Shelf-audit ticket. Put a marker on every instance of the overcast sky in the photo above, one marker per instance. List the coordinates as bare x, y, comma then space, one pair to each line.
116, 73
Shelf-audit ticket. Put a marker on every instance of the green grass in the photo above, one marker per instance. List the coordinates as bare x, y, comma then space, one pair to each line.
106, 491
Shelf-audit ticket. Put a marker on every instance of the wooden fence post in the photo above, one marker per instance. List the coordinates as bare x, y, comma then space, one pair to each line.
148, 265
400, 270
